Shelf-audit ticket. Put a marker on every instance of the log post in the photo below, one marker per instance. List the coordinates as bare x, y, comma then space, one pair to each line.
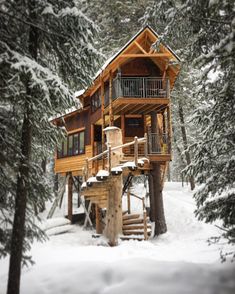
136, 151
156, 189
98, 222
110, 158
114, 211
70, 198
129, 200
146, 145
86, 173
103, 121
145, 226
110, 99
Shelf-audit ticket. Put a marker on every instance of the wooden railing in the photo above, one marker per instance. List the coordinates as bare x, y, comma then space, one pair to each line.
108, 153
141, 87
154, 143
158, 143
129, 194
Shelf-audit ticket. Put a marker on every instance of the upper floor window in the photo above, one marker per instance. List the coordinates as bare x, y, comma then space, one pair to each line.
73, 144
95, 101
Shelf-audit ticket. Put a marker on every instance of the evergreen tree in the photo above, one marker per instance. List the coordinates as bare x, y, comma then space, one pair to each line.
208, 30
118, 21
172, 26
46, 50
214, 161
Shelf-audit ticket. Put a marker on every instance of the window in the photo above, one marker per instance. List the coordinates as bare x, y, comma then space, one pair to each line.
95, 101
72, 145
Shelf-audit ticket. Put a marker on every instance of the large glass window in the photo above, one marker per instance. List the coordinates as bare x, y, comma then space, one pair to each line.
95, 101
81, 143
75, 144
72, 145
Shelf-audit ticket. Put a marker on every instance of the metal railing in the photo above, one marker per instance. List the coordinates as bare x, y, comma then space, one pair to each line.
140, 87
158, 143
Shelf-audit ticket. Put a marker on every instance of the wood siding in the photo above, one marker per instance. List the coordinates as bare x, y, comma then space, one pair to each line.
73, 163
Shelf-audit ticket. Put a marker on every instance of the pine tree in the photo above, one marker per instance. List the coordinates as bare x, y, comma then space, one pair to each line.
173, 29
46, 50
208, 30
214, 162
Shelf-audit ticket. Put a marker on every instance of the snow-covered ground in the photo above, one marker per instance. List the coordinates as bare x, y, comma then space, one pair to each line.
179, 261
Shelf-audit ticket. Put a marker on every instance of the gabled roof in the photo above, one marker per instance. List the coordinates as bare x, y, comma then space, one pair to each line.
165, 57
112, 58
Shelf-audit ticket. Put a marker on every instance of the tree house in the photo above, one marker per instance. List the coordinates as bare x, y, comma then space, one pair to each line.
125, 118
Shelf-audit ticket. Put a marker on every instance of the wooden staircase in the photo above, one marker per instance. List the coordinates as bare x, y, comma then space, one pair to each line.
135, 227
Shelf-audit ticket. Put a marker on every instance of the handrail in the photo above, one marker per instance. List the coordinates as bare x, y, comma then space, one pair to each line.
136, 196
140, 140
144, 211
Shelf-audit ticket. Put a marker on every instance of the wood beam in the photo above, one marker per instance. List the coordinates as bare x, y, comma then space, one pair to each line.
140, 47
110, 98
145, 55
70, 198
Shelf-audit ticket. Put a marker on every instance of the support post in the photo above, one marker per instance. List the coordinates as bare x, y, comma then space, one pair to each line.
98, 222
103, 122
158, 209
136, 151
70, 198
169, 128
110, 158
110, 99
146, 145
129, 200
145, 226
114, 211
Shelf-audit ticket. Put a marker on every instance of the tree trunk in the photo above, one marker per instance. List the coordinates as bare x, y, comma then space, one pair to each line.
155, 190
185, 142
159, 216
18, 231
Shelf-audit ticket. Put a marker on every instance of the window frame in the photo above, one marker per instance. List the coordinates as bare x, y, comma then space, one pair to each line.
67, 139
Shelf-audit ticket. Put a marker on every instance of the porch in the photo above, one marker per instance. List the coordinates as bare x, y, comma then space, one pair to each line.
137, 95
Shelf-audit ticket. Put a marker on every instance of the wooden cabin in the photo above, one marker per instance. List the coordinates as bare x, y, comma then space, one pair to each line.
132, 93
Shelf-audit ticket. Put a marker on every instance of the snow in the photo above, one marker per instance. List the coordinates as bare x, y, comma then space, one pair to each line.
179, 261
116, 169
92, 180
102, 173
129, 164
79, 93
54, 222
111, 129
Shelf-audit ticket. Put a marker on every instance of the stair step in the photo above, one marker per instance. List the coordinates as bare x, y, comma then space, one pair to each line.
135, 227
131, 216
135, 238
133, 221
136, 232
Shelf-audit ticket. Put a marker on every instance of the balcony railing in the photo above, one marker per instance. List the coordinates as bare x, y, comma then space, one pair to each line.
140, 87
158, 143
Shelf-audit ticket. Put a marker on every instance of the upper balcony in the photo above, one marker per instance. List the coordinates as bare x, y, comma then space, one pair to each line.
138, 95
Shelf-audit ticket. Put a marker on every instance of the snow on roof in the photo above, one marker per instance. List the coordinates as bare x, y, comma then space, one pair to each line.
79, 93
129, 164
116, 169
108, 61
102, 173
65, 112
84, 185
92, 180
111, 129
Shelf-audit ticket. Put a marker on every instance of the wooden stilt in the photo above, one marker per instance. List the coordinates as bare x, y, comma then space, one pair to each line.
159, 216
99, 228
70, 198
114, 211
